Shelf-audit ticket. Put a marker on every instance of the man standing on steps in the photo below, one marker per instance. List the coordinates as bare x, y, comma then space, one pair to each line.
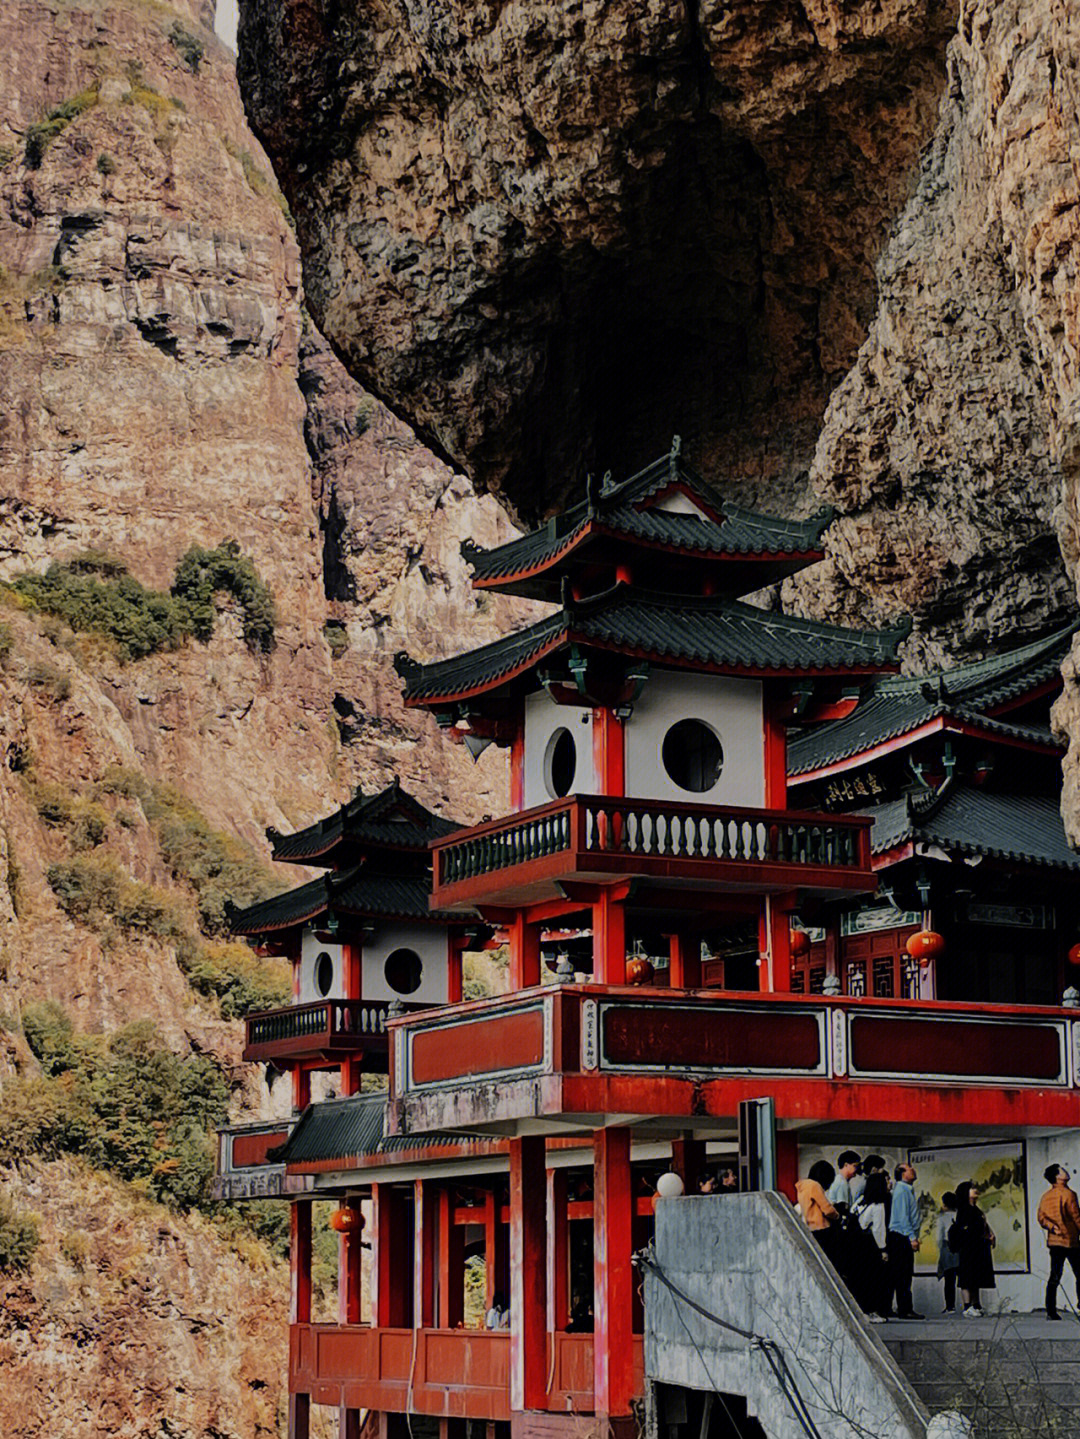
903, 1240
1059, 1215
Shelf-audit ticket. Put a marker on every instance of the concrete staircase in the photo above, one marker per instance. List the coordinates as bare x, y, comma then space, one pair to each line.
1015, 1376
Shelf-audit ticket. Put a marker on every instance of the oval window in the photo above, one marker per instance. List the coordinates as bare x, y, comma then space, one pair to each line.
560, 763
693, 756
403, 970
324, 974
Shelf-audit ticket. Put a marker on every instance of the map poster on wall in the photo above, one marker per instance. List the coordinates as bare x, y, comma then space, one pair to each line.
998, 1170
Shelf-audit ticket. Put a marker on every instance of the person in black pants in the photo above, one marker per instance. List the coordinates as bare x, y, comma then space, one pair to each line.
903, 1240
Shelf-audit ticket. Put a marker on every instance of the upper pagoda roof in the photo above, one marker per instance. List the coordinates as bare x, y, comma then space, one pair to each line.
362, 892
968, 696
702, 633
389, 820
755, 549
965, 822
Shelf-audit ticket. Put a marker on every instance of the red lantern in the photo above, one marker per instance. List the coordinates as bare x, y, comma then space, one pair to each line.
1074, 954
346, 1220
800, 943
639, 970
925, 946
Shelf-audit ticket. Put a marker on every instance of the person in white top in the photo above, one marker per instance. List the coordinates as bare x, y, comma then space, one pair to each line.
872, 1287
498, 1316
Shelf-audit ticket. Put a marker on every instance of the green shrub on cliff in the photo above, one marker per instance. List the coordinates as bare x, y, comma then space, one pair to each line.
41, 134
127, 1103
188, 46
240, 981
95, 889
94, 592
19, 1237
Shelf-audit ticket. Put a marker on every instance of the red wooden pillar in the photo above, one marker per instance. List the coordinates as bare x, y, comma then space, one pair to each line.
524, 953
775, 702
349, 1281
609, 753
352, 966
451, 1264
425, 1251
456, 945
301, 1088
390, 1246
787, 1161
776, 969
300, 1302
558, 1251
496, 1250
609, 940
613, 1285
688, 1160
517, 766
528, 1275
685, 961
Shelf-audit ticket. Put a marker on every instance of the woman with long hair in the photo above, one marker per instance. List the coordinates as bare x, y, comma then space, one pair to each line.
822, 1218
974, 1244
870, 1271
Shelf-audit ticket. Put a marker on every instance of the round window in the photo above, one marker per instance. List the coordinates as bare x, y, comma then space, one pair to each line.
404, 969
560, 763
324, 974
693, 756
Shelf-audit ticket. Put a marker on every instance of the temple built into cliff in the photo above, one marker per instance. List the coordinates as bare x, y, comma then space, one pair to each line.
748, 870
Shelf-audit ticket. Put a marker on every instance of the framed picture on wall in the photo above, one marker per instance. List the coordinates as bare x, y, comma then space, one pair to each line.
999, 1171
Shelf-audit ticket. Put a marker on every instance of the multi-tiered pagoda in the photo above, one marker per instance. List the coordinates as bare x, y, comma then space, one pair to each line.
665, 907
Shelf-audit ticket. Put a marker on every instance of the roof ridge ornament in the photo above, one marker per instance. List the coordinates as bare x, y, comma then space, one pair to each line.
673, 455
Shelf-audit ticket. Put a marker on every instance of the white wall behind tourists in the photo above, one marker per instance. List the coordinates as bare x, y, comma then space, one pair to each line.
697, 737
558, 750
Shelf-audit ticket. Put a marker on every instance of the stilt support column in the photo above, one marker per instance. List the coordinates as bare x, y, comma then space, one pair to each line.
613, 1209
528, 1275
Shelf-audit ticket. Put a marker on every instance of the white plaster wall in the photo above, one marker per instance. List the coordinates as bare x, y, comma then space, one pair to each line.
429, 942
542, 718
679, 504
310, 949
734, 709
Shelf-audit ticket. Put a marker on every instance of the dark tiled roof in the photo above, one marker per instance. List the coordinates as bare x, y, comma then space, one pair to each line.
713, 633
361, 891
897, 705
345, 1128
967, 821
615, 511
391, 819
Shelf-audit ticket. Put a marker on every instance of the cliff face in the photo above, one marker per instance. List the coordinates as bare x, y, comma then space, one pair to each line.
838, 241
161, 386
552, 234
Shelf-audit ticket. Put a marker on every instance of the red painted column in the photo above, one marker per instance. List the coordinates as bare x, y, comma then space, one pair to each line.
524, 954
299, 1419
609, 753
774, 702
517, 766
528, 1275
609, 940
776, 972
613, 1284
352, 967
558, 1252
301, 1088
454, 952
787, 1161
688, 1160
496, 1250
451, 1265
390, 1247
349, 1281
685, 969
425, 1252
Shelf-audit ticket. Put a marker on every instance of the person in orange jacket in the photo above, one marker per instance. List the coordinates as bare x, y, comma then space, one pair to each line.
1059, 1215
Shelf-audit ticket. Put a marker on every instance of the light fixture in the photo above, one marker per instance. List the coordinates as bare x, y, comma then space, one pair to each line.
669, 1185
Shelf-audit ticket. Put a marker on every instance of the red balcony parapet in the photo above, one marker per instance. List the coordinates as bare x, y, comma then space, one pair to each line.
521, 858
329, 1029
451, 1373
580, 1050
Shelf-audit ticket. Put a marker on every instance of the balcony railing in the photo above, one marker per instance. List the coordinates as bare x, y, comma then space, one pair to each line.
523, 855
329, 1028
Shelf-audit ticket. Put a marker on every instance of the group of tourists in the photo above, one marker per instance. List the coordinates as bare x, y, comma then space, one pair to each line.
869, 1227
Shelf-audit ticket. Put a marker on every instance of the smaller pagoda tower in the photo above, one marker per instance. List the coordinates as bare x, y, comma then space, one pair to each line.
363, 939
